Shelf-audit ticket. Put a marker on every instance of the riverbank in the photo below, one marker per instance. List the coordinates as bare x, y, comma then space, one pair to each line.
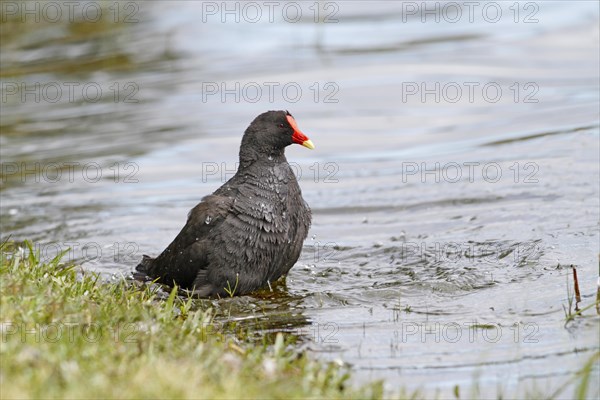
69, 335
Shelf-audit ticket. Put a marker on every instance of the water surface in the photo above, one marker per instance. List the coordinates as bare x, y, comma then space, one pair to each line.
443, 228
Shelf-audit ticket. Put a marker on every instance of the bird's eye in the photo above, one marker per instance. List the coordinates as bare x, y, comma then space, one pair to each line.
281, 125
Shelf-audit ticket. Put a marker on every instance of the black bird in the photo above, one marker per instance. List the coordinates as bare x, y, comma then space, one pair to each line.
250, 231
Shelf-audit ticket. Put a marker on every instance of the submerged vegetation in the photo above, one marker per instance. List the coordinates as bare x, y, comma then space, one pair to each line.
572, 309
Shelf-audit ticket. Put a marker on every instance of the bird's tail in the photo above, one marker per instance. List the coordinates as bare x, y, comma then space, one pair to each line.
142, 270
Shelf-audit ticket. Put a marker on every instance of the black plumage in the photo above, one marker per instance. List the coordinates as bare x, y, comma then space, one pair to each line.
250, 231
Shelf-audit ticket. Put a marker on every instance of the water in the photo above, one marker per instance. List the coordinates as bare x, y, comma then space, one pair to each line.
443, 228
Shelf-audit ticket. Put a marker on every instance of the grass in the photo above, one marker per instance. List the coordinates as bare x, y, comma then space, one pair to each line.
574, 298
66, 334
229, 290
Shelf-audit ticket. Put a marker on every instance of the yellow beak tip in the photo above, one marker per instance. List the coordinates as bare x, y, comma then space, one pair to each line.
308, 143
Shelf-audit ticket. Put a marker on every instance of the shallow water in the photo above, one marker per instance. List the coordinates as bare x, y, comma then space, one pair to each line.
443, 228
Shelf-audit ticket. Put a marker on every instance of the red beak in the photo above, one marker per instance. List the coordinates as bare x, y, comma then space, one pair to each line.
298, 136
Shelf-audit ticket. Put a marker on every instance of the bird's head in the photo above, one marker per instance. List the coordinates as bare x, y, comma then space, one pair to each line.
270, 133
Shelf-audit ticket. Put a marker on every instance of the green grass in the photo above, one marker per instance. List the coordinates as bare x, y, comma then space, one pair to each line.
68, 335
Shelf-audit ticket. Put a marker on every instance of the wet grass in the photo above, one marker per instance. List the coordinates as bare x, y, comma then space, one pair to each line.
66, 334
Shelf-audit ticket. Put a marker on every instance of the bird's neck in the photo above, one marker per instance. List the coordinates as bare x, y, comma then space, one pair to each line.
249, 157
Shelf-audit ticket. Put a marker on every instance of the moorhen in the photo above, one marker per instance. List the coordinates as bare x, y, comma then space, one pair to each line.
250, 231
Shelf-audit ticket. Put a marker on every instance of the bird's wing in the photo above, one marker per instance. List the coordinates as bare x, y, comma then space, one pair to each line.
187, 253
